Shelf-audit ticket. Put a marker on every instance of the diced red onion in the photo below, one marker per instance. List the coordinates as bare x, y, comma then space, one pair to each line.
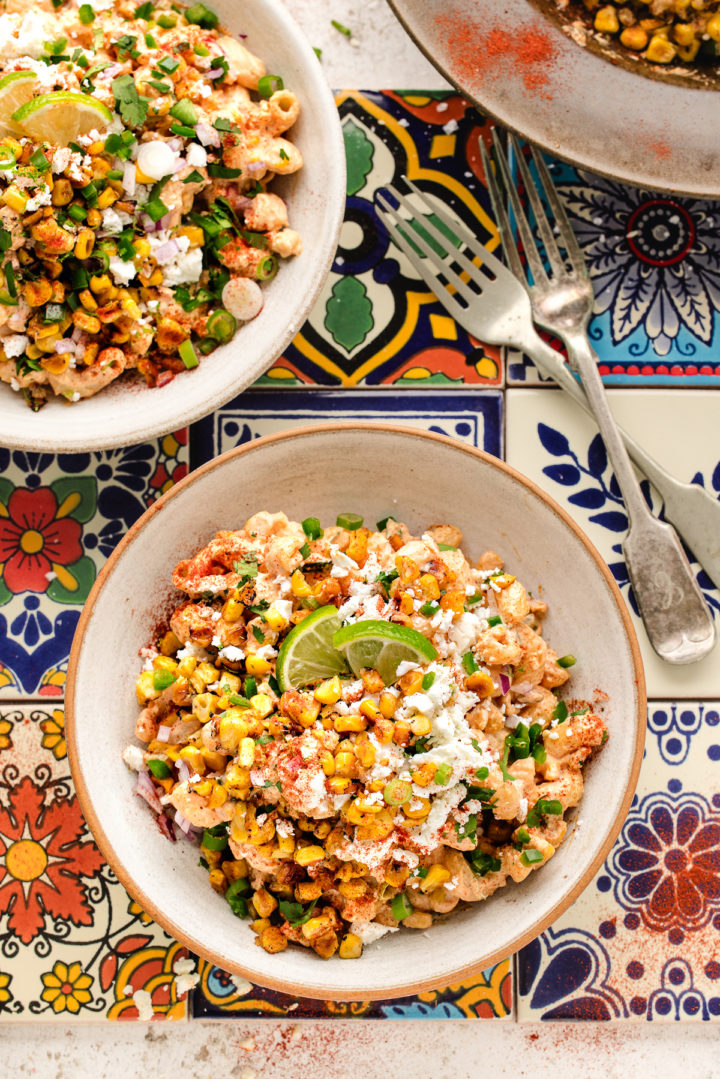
166, 251
65, 345
166, 221
189, 831
208, 135
504, 684
522, 688
163, 734
114, 70
146, 789
77, 334
180, 164
164, 378
166, 827
255, 167
183, 771
148, 224
129, 178
175, 144
214, 73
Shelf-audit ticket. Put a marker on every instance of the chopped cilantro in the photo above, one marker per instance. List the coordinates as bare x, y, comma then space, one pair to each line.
132, 108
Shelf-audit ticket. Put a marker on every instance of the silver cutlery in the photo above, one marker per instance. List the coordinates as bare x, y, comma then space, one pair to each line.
492, 304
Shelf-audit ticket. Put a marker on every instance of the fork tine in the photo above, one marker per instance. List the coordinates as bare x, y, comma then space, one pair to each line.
501, 217
423, 268
531, 252
458, 227
438, 261
566, 230
552, 251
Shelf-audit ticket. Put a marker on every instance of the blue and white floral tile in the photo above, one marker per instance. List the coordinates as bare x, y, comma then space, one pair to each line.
471, 416
643, 940
654, 261
60, 517
73, 945
554, 443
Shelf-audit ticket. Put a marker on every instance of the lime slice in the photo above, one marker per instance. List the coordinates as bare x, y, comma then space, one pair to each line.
307, 654
382, 645
60, 117
15, 89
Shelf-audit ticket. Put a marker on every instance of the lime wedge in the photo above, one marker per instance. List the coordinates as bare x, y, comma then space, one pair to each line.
59, 117
382, 645
307, 654
15, 89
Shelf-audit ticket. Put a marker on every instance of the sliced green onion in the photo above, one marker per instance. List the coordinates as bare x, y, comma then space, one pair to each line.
7, 157
482, 864
236, 897
150, 41
159, 769
168, 64
442, 774
155, 208
144, 11
446, 547
401, 907
349, 521
250, 686
221, 325
339, 26
476, 598
86, 14
304, 550
470, 663
167, 21
382, 525
162, 679
564, 661
223, 172
10, 279
267, 267
7, 301
186, 132
311, 527
495, 620
428, 680
214, 842
161, 87
268, 84
318, 52
53, 313
532, 856
397, 792
39, 161
560, 712
430, 608
188, 355
184, 111
202, 16
201, 50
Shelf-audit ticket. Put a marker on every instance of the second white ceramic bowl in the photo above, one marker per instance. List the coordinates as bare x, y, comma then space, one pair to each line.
373, 470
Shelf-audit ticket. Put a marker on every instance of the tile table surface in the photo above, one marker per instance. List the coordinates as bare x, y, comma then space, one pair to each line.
641, 943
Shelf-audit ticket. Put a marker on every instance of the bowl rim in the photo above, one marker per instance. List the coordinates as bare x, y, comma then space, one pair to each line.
459, 974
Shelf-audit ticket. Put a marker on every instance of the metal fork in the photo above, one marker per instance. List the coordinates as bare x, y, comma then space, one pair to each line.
491, 303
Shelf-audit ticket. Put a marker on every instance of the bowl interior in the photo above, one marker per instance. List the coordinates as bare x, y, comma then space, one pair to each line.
128, 411
376, 471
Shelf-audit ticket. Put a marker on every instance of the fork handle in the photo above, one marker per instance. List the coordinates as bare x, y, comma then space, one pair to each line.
692, 509
676, 617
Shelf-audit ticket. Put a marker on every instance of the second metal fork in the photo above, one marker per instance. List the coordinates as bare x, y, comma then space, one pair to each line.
492, 304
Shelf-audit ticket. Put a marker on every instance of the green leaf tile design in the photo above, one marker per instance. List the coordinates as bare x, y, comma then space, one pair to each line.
348, 315
359, 153
76, 496
83, 573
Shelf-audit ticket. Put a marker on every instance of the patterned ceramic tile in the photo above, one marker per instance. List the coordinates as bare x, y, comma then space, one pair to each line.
488, 997
472, 416
60, 517
552, 441
376, 322
643, 940
655, 264
72, 942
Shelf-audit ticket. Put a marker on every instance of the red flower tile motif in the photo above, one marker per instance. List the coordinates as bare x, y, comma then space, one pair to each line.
33, 540
43, 860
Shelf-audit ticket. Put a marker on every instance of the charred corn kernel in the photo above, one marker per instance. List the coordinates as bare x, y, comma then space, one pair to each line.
90, 354
453, 600
106, 198
425, 774
343, 724
329, 691
194, 233
351, 946
264, 902
352, 889
712, 27
261, 705
62, 192
255, 665
87, 322
55, 364
309, 855
237, 780
145, 688
84, 244
606, 20
235, 870
88, 300
684, 34
232, 728
345, 763
165, 663
285, 846
411, 682
155, 278
58, 292
327, 762
272, 939
14, 145
397, 875
481, 683
260, 924
299, 585
420, 724
689, 52
169, 643
15, 199
357, 548
429, 586
407, 603
47, 344
315, 927
214, 760
436, 875
142, 248
377, 828
37, 293
217, 880
660, 51
275, 620
129, 306
193, 758
370, 710
365, 754
339, 784
96, 148
33, 352
388, 705
384, 730
46, 331
100, 283
233, 610
402, 733
407, 570
417, 808
218, 796
94, 218
246, 752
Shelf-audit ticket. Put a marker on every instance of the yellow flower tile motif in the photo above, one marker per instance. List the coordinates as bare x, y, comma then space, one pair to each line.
54, 734
135, 909
5, 994
5, 728
66, 987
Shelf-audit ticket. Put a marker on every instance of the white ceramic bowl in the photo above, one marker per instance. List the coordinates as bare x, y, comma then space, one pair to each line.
373, 470
128, 411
